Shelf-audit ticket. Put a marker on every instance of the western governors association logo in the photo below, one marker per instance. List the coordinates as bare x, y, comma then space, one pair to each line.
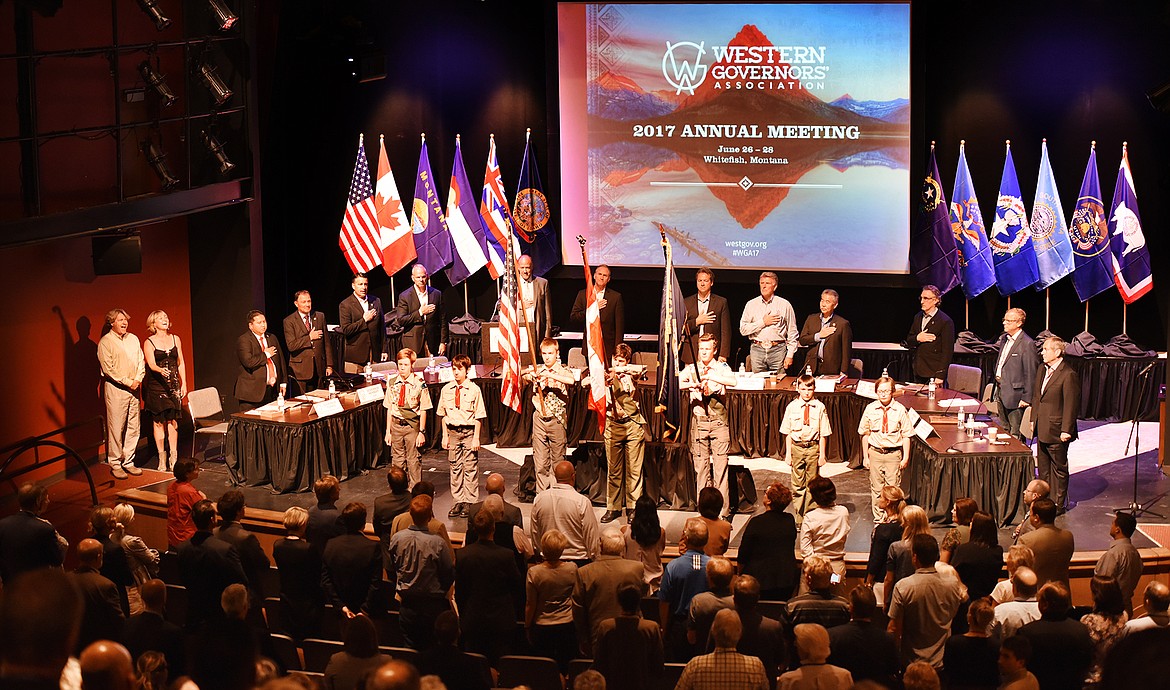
682, 66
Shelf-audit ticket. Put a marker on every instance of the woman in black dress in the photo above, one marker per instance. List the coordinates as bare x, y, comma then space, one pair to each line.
767, 550
166, 385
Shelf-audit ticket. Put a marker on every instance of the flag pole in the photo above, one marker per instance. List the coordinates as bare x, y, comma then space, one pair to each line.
1124, 318
523, 311
966, 315
1086, 316
466, 309
1047, 307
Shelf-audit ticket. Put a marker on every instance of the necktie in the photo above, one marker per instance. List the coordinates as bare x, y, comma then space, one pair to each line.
271, 366
308, 324
821, 345
457, 395
1047, 375
402, 394
885, 420
806, 414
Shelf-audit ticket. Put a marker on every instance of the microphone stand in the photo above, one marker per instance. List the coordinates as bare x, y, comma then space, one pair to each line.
1136, 509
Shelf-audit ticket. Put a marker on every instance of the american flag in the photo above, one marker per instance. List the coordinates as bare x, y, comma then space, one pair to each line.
510, 385
359, 227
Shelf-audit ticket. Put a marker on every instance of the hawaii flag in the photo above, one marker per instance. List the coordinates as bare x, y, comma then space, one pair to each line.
1011, 236
1127, 243
596, 347
394, 237
1089, 234
497, 217
464, 224
359, 227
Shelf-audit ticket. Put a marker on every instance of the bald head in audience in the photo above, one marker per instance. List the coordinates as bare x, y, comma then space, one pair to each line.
89, 554
394, 675
564, 472
495, 484
727, 629
106, 665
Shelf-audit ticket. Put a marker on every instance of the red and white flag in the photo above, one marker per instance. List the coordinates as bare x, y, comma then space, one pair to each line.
497, 217
510, 383
395, 237
359, 227
596, 362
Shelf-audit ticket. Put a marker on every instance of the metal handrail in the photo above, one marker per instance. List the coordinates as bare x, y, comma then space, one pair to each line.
22, 446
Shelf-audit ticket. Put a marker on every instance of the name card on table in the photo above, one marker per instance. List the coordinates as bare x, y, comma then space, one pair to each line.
328, 407
867, 389
369, 394
749, 383
825, 385
446, 375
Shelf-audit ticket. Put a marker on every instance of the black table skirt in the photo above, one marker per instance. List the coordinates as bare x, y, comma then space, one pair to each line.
292, 457
996, 482
1111, 390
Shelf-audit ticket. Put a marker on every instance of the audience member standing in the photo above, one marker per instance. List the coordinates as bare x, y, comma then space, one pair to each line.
923, 605
1037, 488
628, 650
863, 647
818, 604
1122, 561
181, 499
446, 660
123, 369
564, 509
1013, 665
351, 565
682, 579
812, 645
1018, 555
252, 557
102, 615
646, 540
595, 590
359, 656
961, 514
718, 529
548, 612
1052, 546
891, 501
969, 660
424, 570
486, 579
978, 562
149, 630
1157, 601
389, 506
27, 540
1022, 609
1106, 622
115, 561
725, 667
900, 559
207, 565
299, 568
140, 558
705, 605
762, 637
826, 527
325, 517
1062, 650
767, 546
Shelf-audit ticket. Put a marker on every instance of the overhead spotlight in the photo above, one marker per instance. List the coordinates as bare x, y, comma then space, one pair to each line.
215, 147
150, 7
222, 15
157, 83
209, 75
158, 163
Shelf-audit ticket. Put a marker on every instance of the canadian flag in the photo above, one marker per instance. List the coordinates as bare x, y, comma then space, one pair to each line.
395, 237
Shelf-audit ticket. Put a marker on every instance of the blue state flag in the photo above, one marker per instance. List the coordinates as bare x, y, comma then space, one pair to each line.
532, 216
967, 225
1127, 242
672, 320
1011, 237
432, 239
1089, 233
934, 257
1054, 255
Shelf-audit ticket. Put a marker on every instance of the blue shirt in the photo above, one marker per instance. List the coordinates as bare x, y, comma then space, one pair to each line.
682, 579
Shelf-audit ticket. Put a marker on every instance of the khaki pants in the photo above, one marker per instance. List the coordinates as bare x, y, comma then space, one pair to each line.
623, 453
122, 424
884, 471
804, 469
710, 440
464, 464
404, 448
548, 448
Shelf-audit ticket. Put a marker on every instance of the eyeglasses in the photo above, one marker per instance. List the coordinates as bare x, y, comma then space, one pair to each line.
1011, 320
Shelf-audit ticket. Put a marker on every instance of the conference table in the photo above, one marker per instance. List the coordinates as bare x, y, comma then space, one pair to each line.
289, 450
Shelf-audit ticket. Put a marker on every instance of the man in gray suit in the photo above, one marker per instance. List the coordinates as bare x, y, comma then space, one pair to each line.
534, 295
1055, 404
1015, 372
595, 593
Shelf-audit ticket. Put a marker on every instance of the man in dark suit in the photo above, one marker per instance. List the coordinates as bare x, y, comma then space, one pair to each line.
1015, 372
486, 578
534, 294
28, 541
389, 506
931, 339
828, 337
1056, 399
102, 617
611, 309
420, 314
310, 354
252, 558
207, 565
706, 313
360, 321
261, 365
324, 518
628, 651
151, 631
351, 566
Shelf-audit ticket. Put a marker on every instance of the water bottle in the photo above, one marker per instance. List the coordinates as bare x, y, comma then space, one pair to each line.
808, 371
931, 388
280, 402
885, 372
332, 388
742, 368
368, 372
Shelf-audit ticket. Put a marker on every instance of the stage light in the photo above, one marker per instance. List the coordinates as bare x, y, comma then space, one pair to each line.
209, 75
158, 163
157, 83
222, 15
215, 147
150, 7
